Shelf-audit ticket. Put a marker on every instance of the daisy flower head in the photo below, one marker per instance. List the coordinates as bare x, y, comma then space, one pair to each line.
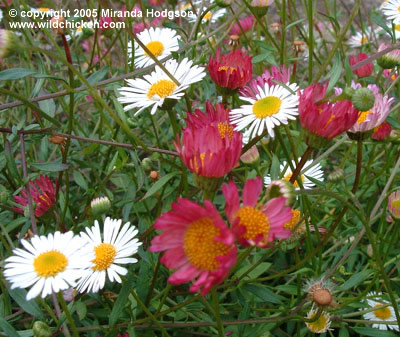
161, 42
8, 42
111, 248
360, 38
391, 9
231, 71
43, 195
48, 264
314, 172
254, 224
273, 105
320, 291
381, 313
210, 147
394, 204
321, 325
197, 244
321, 122
44, 11
363, 71
154, 89
390, 59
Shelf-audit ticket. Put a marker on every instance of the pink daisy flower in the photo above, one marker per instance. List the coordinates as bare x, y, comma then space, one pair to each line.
230, 71
210, 147
245, 25
255, 224
43, 195
363, 71
276, 74
197, 243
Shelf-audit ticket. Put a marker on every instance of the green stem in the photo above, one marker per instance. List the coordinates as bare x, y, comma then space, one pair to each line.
67, 314
310, 40
217, 313
358, 167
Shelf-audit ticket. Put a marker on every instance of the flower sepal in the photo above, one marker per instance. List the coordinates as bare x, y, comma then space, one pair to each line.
359, 136
315, 141
208, 185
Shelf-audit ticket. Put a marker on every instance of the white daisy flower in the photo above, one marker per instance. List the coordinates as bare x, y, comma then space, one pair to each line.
1, 15
160, 41
384, 314
111, 249
76, 34
391, 9
274, 106
210, 16
360, 38
50, 264
156, 87
321, 325
314, 172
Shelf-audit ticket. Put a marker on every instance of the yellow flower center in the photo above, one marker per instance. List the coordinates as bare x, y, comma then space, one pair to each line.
291, 224
226, 68
224, 130
267, 107
207, 17
398, 9
363, 116
364, 40
155, 47
200, 247
105, 254
255, 222
295, 184
162, 89
319, 325
50, 263
382, 313
396, 203
397, 27
43, 9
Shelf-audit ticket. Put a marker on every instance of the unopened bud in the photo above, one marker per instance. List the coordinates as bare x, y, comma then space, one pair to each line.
58, 25
147, 164
281, 188
363, 99
223, 3
275, 27
299, 46
8, 42
336, 176
251, 156
322, 297
41, 329
154, 175
100, 205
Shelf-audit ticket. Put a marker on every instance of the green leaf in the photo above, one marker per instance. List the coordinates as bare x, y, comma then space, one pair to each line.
97, 76
81, 310
355, 279
335, 72
275, 168
80, 180
8, 329
374, 332
263, 293
53, 166
160, 183
122, 299
259, 58
15, 73
260, 269
293, 24
393, 122
343, 332
381, 23
31, 307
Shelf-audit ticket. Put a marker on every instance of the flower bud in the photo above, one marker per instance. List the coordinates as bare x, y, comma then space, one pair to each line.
41, 329
57, 140
251, 156
3, 194
363, 71
8, 42
147, 164
154, 175
390, 59
260, 7
336, 175
57, 24
298, 46
281, 188
394, 204
276, 27
100, 205
363, 99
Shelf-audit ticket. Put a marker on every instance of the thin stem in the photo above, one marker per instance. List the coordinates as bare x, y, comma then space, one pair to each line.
27, 187
358, 167
217, 313
300, 165
67, 314
58, 313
